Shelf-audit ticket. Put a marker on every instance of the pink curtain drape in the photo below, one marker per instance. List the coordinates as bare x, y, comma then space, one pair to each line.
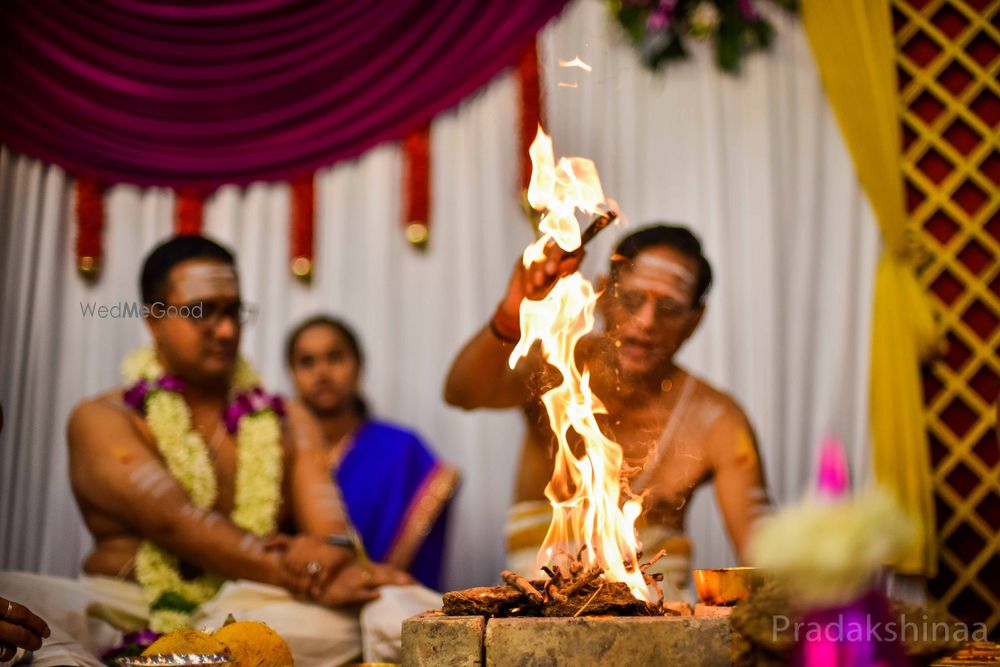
183, 93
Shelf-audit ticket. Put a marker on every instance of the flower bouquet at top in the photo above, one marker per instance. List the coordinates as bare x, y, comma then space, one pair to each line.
661, 28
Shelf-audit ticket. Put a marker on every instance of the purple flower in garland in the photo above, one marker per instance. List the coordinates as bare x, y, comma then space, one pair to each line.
132, 644
170, 383
235, 412
246, 403
278, 405
135, 396
251, 402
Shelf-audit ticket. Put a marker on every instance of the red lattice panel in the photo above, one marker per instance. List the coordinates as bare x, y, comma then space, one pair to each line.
948, 64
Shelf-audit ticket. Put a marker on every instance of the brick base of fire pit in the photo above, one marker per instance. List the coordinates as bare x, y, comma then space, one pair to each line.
433, 639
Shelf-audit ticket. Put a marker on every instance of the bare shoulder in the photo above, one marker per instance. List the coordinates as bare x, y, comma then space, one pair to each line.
102, 424
101, 413
103, 435
716, 408
729, 435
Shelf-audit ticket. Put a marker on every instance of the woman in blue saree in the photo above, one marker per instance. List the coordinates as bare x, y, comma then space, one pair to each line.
396, 491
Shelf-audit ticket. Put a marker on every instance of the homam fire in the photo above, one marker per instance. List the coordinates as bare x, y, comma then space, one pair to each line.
594, 579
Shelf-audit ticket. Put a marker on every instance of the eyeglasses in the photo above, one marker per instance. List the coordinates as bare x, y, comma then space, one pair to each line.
206, 315
665, 308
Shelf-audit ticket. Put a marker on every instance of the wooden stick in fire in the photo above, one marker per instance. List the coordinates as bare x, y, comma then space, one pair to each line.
595, 227
583, 580
521, 584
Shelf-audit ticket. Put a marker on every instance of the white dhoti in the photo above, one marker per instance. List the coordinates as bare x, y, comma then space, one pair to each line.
77, 611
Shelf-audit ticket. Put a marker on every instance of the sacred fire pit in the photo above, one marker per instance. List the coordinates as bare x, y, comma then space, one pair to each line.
575, 616
437, 640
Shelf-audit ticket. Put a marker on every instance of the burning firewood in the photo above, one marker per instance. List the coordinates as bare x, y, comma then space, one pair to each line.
584, 580
523, 585
659, 554
574, 591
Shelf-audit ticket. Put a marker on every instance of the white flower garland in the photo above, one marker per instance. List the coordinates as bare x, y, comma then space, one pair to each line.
257, 483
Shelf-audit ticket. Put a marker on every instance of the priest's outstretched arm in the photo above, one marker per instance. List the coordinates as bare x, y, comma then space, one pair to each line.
480, 376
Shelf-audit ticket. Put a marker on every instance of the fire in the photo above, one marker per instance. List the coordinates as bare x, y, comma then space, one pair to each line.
576, 62
585, 491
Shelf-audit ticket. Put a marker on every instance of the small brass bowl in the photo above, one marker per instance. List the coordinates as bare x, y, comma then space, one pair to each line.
727, 585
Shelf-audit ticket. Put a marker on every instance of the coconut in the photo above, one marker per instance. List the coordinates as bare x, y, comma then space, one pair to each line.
254, 644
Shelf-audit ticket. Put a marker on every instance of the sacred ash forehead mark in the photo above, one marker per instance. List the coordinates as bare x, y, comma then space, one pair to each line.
654, 272
206, 280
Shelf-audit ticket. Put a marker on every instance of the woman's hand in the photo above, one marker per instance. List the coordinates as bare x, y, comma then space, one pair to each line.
309, 563
356, 584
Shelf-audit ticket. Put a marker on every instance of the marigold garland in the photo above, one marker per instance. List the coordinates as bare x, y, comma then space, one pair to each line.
257, 420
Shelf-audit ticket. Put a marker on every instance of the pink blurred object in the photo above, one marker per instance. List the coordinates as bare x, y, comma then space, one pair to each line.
856, 634
847, 635
834, 479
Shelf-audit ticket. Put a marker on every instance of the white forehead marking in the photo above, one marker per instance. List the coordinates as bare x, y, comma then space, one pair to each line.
671, 289
647, 263
202, 281
653, 273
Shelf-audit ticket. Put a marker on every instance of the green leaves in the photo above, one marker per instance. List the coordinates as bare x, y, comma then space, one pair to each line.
661, 28
171, 601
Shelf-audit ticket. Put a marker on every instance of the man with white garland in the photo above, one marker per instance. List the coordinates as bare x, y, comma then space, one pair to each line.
205, 499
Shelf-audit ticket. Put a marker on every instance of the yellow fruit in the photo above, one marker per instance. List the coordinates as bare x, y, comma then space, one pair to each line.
253, 644
186, 641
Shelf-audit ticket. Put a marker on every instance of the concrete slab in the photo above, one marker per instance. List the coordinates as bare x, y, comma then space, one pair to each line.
608, 641
434, 640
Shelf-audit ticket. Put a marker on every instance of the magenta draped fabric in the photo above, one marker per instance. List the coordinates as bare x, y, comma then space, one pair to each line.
203, 93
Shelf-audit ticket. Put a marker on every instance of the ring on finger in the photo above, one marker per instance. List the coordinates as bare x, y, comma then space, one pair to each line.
313, 568
10, 611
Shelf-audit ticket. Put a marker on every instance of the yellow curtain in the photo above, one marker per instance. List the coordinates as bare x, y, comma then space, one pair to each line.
852, 42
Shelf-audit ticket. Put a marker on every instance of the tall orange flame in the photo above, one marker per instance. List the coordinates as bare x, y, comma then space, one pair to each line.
585, 491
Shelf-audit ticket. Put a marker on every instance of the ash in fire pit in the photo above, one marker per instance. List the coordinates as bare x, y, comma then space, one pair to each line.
574, 590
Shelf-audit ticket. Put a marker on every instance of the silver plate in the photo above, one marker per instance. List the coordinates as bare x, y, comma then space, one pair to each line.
175, 659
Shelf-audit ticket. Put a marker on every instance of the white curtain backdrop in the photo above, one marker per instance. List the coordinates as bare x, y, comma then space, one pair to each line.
755, 164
